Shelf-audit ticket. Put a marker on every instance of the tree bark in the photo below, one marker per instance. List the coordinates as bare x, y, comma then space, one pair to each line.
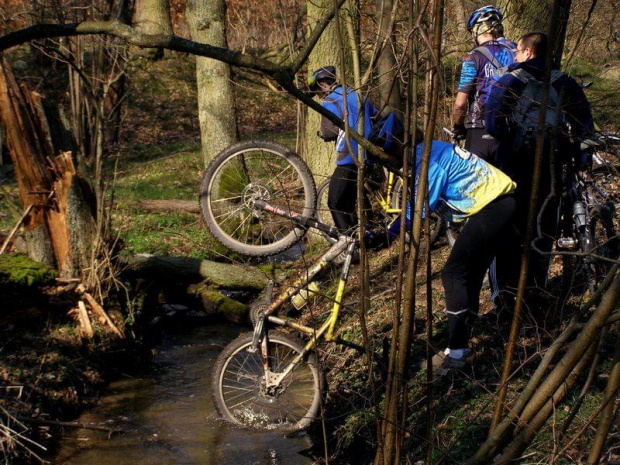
321, 156
152, 17
216, 96
195, 270
60, 228
389, 83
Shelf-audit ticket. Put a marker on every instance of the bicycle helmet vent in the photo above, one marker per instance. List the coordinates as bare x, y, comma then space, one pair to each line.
484, 19
327, 73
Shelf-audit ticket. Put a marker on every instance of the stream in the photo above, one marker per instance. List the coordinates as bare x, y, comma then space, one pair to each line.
169, 417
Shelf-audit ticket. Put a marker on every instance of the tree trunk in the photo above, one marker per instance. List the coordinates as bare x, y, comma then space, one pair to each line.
523, 17
60, 228
389, 84
152, 17
216, 96
321, 156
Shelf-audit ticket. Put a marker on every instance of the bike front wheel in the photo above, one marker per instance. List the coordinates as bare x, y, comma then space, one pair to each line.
241, 393
251, 171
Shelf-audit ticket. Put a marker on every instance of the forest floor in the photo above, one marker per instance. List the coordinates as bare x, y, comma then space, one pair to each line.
49, 372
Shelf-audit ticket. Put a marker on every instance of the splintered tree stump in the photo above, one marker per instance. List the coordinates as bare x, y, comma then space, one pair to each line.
184, 269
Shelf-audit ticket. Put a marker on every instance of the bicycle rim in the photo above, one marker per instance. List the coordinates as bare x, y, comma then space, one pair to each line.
243, 398
256, 171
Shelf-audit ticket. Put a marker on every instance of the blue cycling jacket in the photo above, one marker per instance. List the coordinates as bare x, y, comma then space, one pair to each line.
333, 102
458, 180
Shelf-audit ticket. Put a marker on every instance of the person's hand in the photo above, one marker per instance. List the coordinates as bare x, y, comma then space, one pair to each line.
459, 132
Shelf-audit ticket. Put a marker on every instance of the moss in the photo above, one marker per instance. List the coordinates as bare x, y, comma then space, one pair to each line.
216, 303
20, 271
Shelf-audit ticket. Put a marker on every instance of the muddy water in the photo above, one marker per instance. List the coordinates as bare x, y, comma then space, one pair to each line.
169, 417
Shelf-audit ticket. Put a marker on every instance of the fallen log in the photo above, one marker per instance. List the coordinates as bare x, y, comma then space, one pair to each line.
216, 304
187, 206
175, 269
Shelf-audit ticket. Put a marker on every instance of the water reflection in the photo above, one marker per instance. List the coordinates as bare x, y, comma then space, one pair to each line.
169, 416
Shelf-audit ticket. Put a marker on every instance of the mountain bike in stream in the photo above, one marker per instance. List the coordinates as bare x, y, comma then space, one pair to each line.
258, 199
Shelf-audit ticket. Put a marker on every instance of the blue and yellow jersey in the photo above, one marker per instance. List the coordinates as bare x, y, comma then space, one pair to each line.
461, 180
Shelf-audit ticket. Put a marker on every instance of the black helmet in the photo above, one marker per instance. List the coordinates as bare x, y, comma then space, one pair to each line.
327, 73
489, 16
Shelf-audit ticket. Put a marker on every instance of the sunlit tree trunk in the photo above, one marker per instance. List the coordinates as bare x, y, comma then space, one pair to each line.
321, 156
389, 83
523, 17
216, 96
152, 17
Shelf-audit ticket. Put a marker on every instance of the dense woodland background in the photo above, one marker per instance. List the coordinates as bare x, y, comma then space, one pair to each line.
142, 126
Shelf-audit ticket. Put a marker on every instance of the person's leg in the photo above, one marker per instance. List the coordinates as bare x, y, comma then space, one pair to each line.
471, 255
342, 197
482, 144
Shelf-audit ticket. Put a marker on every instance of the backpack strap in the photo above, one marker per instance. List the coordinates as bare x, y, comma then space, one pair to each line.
485, 52
521, 75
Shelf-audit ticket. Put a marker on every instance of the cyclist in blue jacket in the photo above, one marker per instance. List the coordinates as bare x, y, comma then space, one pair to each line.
342, 196
479, 71
463, 185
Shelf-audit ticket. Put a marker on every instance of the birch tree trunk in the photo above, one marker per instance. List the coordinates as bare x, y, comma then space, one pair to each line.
216, 96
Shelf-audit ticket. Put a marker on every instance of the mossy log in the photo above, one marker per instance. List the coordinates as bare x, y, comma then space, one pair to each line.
19, 278
216, 304
179, 269
19, 271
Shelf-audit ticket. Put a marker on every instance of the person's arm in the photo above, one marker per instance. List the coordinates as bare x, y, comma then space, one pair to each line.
459, 110
577, 109
467, 86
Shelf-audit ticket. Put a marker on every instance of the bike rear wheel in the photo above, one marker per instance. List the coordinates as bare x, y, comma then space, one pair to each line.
240, 391
250, 171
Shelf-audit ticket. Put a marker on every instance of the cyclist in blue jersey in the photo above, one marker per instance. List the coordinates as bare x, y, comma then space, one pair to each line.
342, 195
480, 69
465, 186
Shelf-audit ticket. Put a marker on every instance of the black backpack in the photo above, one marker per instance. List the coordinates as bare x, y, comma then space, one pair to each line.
524, 117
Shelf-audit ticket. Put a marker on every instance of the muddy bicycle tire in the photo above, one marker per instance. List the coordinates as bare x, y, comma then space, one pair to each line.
239, 392
249, 171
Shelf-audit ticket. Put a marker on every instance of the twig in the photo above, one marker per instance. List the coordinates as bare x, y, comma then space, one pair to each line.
71, 424
98, 309
14, 230
20, 221
87, 328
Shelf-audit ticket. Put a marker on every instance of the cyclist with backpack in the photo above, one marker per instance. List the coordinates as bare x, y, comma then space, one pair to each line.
342, 195
479, 71
512, 115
